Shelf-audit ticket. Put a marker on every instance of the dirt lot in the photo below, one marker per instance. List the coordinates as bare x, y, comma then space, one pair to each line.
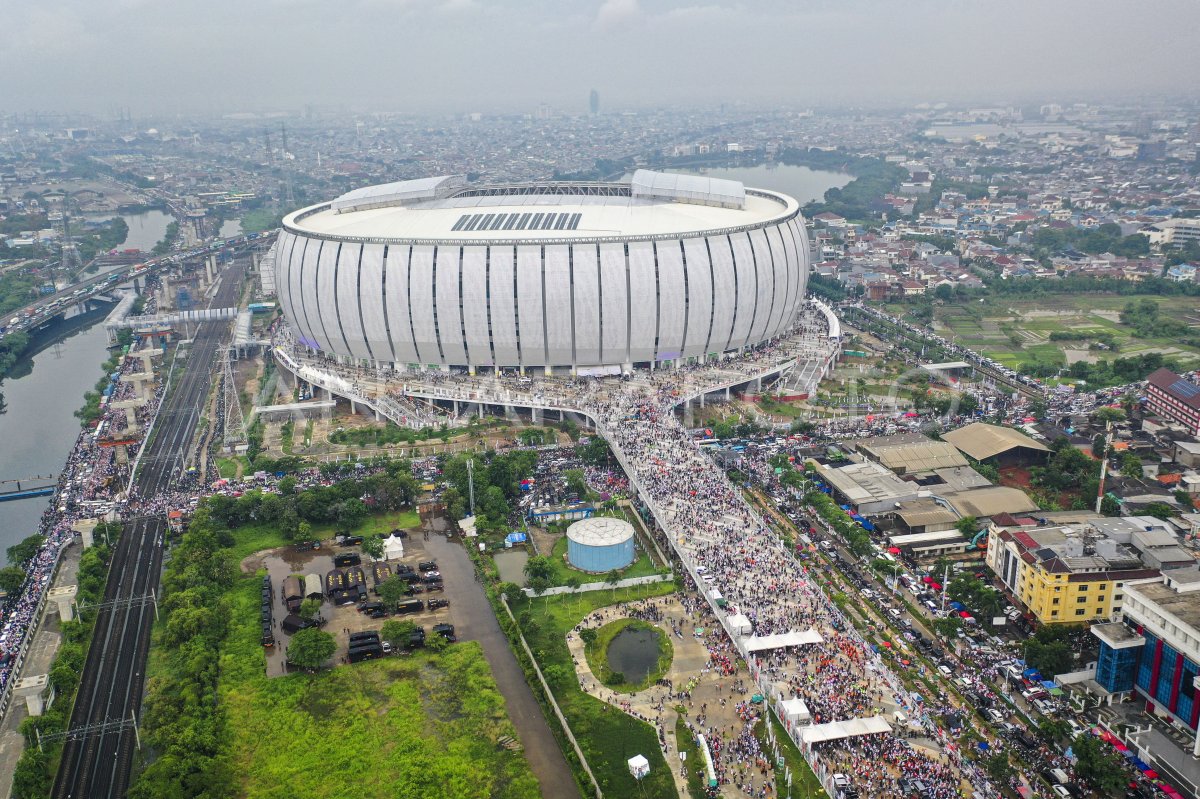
341, 620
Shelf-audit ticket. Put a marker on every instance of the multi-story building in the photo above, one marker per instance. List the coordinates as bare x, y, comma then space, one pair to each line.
1174, 398
1063, 574
1154, 651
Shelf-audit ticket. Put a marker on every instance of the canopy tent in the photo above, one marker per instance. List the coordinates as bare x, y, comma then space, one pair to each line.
740, 624
795, 711
780, 640
844, 729
639, 766
393, 548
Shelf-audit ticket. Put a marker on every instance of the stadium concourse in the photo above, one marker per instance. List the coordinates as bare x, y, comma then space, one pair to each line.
795, 641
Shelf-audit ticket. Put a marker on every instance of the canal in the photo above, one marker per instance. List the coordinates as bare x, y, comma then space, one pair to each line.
38, 429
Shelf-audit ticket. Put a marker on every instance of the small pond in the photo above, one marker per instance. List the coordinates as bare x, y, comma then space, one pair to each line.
634, 653
511, 565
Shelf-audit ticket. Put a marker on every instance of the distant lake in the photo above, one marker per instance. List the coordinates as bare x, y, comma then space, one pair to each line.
145, 229
800, 182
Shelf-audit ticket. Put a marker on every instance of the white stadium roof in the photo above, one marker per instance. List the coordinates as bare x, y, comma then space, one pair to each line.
445, 208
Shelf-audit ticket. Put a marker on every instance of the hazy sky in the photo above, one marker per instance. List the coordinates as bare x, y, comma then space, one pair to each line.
510, 55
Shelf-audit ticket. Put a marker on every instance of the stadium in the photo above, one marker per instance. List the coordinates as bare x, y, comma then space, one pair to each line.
569, 278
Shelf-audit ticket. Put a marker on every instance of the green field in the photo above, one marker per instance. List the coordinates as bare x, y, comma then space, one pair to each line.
1014, 331
607, 736
419, 726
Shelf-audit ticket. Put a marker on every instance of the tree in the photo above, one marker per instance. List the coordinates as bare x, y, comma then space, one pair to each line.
1053, 729
968, 526
588, 635
397, 632
392, 592
999, 768
576, 482
539, 567
11, 579
372, 547
594, 452
1108, 414
310, 648
1131, 466
573, 582
1097, 765
309, 608
437, 643
21, 553
511, 593
611, 579
539, 586
1050, 658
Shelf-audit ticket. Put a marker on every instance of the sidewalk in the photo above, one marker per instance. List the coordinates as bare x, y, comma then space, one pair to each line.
689, 662
41, 653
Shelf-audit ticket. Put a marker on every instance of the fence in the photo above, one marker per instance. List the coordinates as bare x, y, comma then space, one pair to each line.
553, 703
623, 583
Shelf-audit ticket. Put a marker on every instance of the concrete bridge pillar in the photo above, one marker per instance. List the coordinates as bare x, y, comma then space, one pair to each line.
727, 393
38, 692
536, 414
64, 598
86, 529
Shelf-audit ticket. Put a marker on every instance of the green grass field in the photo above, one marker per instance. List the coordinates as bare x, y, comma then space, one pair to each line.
417, 726
607, 736
642, 567
989, 327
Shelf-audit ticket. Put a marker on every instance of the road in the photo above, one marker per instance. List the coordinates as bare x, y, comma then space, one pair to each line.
96, 763
475, 621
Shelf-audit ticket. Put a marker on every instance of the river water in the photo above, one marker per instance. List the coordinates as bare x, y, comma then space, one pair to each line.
38, 429
800, 182
145, 229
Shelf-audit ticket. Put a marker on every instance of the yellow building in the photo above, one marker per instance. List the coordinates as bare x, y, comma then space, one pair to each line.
1062, 574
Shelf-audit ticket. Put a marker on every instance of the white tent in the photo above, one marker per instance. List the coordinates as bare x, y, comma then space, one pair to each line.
850, 728
393, 548
739, 624
795, 711
639, 766
781, 640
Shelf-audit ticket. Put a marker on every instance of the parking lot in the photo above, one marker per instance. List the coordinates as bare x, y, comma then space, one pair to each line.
343, 620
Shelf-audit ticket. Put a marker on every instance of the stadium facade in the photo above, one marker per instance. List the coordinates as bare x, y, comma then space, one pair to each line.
588, 278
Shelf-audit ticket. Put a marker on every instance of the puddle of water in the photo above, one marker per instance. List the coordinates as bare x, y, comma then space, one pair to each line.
511, 565
634, 653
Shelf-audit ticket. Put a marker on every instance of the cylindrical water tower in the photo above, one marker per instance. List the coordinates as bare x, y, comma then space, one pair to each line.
600, 544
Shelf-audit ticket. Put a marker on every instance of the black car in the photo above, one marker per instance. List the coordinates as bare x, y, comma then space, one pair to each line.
446, 631
307, 545
435, 604
365, 635
427, 565
431, 578
416, 638
347, 559
435, 585
349, 540
370, 607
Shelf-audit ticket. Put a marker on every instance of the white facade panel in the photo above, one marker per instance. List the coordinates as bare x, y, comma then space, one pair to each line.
586, 302
529, 306
449, 308
396, 302
474, 305
420, 299
502, 305
804, 259
672, 300
747, 289
700, 297
766, 285
289, 248
557, 286
643, 301
370, 298
614, 305
349, 314
324, 299
785, 286
308, 293
724, 293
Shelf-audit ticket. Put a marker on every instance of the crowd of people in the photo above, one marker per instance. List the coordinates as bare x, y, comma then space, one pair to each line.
92, 483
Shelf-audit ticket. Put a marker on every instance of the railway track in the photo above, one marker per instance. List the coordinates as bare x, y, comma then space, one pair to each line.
97, 763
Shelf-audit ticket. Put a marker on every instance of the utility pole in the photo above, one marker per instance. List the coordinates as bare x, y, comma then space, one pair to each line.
1108, 430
